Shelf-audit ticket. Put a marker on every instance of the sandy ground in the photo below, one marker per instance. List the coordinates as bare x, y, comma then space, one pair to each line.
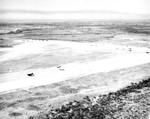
120, 58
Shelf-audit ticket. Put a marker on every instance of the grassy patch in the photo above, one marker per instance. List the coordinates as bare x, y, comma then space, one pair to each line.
131, 102
15, 114
33, 107
68, 89
13, 104
3, 105
6, 43
35, 98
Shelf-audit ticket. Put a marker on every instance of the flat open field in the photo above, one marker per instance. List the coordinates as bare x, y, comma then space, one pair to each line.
69, 60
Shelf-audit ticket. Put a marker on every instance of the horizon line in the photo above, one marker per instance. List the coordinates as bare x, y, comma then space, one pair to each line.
65, 20
3, 11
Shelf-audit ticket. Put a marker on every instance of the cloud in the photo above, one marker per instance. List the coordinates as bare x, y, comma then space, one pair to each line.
127, 6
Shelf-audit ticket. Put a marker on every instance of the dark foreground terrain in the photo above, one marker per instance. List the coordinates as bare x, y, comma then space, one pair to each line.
131, 102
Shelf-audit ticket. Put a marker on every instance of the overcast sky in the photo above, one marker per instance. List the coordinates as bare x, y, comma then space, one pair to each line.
36, 9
